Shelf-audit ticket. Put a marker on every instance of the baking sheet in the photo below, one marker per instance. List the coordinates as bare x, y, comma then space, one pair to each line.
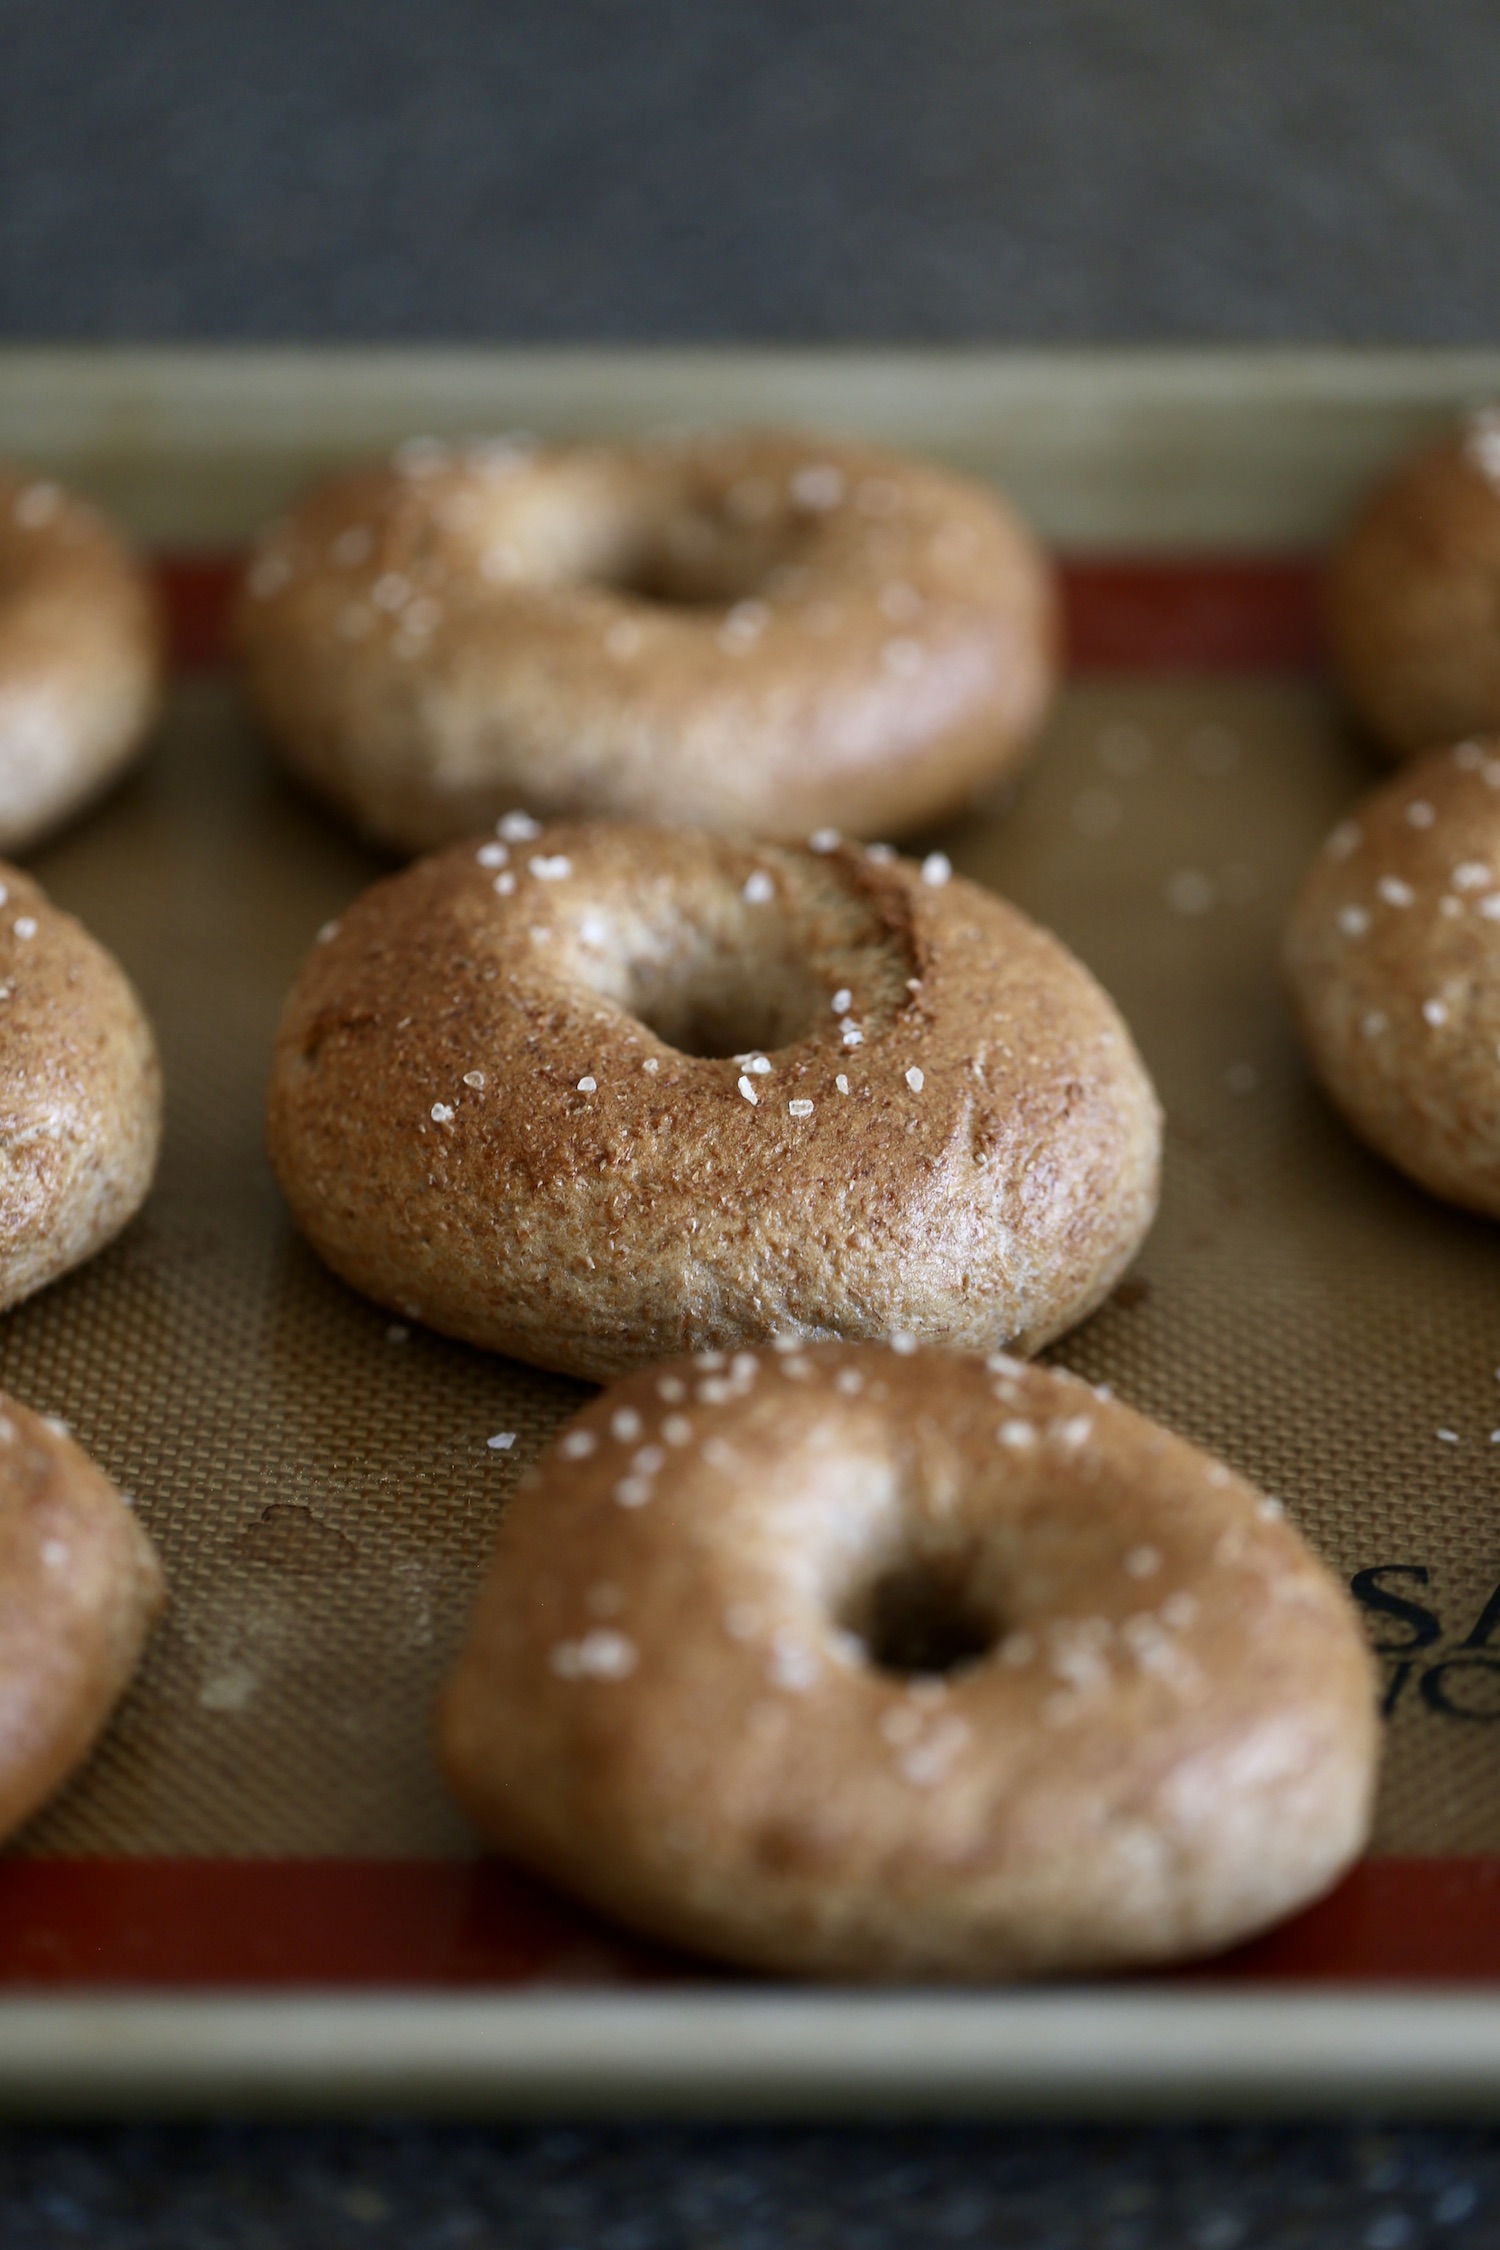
321, 1487
318, 1476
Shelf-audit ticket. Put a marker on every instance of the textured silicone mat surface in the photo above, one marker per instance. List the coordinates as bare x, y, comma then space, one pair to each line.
319, 1481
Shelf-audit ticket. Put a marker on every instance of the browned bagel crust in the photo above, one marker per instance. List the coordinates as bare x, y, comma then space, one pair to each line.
1414, 595
668, 1701
80, 1092
79, 1589
762, 631
1393, 962
473, 1123
80, 657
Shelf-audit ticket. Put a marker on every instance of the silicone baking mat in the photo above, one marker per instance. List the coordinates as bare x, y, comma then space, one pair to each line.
318, 1476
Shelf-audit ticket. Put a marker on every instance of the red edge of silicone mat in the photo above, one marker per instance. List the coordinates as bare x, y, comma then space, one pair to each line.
393, 1923
225, 1924
1206, 614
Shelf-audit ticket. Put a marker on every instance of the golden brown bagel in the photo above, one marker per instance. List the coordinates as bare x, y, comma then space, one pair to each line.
853, 1663
79, 1588
80, 1092
80, 657
762, 631
1414, 595
598, 1094
1393, 959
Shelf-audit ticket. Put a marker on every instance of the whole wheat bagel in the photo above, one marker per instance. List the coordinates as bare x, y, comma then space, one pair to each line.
761, 631
80, 657
595, 1094
80, 1092
79, 1588
1414, 595
1393, 960
850, 1662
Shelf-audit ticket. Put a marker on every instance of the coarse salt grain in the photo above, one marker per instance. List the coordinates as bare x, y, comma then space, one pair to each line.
677, 1429
824, 840
518, 827
442, 1113
904, 1342
842, 1083
505, 884
600, 1655
1075, 1431
493, 855
326, 934
1143, 1562
25, 926
751, 1096
1420, 814
1373, 1024
842, 1000
1018, 1434
1490, 907
551, 869
1447, 1437
915, 1079
268, 574
1435, 1012
502, 1441
1394, 891
1189, 892
817, 486
1471, 875
474, 1078
588, 1085
759, 888
578, 1445
626, 1425
1344, 841
802, 1108
1354, 920
633, 1492
937, 867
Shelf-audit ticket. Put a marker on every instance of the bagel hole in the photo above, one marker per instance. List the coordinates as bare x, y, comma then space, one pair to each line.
731, 1008
725, 981
924, 1619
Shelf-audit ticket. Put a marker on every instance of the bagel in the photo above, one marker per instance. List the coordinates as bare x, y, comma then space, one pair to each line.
80, 657
79, 1588
1393, 962
598, 1094
760, 631
80, 1092
1414, 595
861, 1663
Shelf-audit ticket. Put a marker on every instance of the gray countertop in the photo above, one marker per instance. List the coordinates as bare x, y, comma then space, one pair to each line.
1031, 170
578, 169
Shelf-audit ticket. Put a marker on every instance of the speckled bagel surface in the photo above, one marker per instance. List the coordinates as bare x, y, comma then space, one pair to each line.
851, 1662
80, 1092
1414, 595
599, 1094
79, 1588
1393, 961
761, 631
80, 656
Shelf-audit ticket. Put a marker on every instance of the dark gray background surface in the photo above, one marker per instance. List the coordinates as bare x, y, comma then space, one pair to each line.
945, 170
696, 169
